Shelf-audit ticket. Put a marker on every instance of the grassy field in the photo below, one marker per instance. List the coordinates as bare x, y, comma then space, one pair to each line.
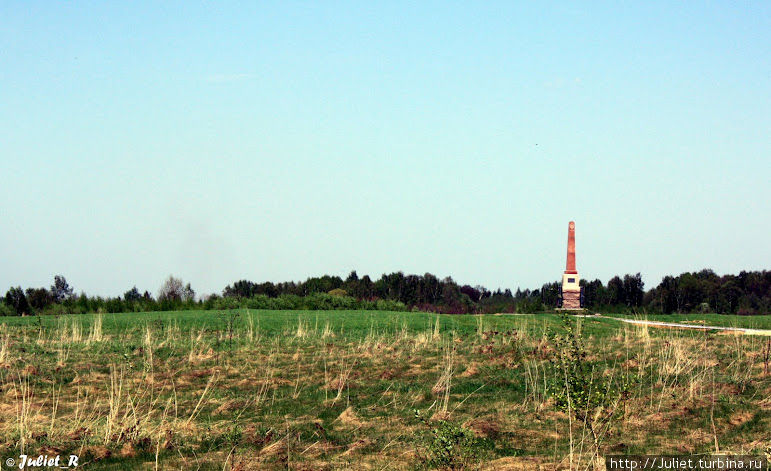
339, 390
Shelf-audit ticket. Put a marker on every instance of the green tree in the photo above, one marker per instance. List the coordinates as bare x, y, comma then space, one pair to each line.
171, 290
60, 290
616, 291
39, 298
16, 299
132, 295
633, 290
188, 294
594, 293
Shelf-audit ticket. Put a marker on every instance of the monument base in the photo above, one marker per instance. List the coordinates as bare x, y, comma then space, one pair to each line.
571, 300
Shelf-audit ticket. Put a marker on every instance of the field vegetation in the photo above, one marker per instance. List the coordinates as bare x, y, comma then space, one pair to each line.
247, 389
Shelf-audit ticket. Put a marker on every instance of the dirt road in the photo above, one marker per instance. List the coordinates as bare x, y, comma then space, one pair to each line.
740, 330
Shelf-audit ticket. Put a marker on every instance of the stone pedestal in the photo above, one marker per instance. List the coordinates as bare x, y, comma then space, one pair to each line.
571, 300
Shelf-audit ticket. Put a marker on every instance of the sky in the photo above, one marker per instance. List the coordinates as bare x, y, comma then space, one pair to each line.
274, 141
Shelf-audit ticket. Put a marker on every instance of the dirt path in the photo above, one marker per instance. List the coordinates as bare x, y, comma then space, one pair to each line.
741, 330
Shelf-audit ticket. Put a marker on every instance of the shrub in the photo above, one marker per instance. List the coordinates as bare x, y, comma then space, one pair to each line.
582, 391
529, 306
447, 445
55, 310
6, 310
387, 305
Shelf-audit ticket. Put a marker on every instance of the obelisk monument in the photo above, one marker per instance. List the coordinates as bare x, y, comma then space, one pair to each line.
571, 291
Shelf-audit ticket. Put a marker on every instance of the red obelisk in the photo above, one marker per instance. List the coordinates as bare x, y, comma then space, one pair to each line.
571, 290
571, 265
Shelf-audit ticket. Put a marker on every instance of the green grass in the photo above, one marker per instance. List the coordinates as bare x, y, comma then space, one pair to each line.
251, 389
351, 323
356, 323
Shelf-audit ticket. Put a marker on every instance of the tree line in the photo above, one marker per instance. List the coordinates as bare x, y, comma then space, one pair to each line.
704, 291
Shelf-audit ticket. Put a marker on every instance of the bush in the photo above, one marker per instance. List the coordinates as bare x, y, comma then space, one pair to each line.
447, 445
529, 306
580, 389
387, 305
6, 310
55, 310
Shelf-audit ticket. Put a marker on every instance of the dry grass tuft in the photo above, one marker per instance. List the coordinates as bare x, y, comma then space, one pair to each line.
277, 448
349, 417
484, 427
471, 370
511, 463
358, 444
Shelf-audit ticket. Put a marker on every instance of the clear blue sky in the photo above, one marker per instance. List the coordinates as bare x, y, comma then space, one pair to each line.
275, 141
